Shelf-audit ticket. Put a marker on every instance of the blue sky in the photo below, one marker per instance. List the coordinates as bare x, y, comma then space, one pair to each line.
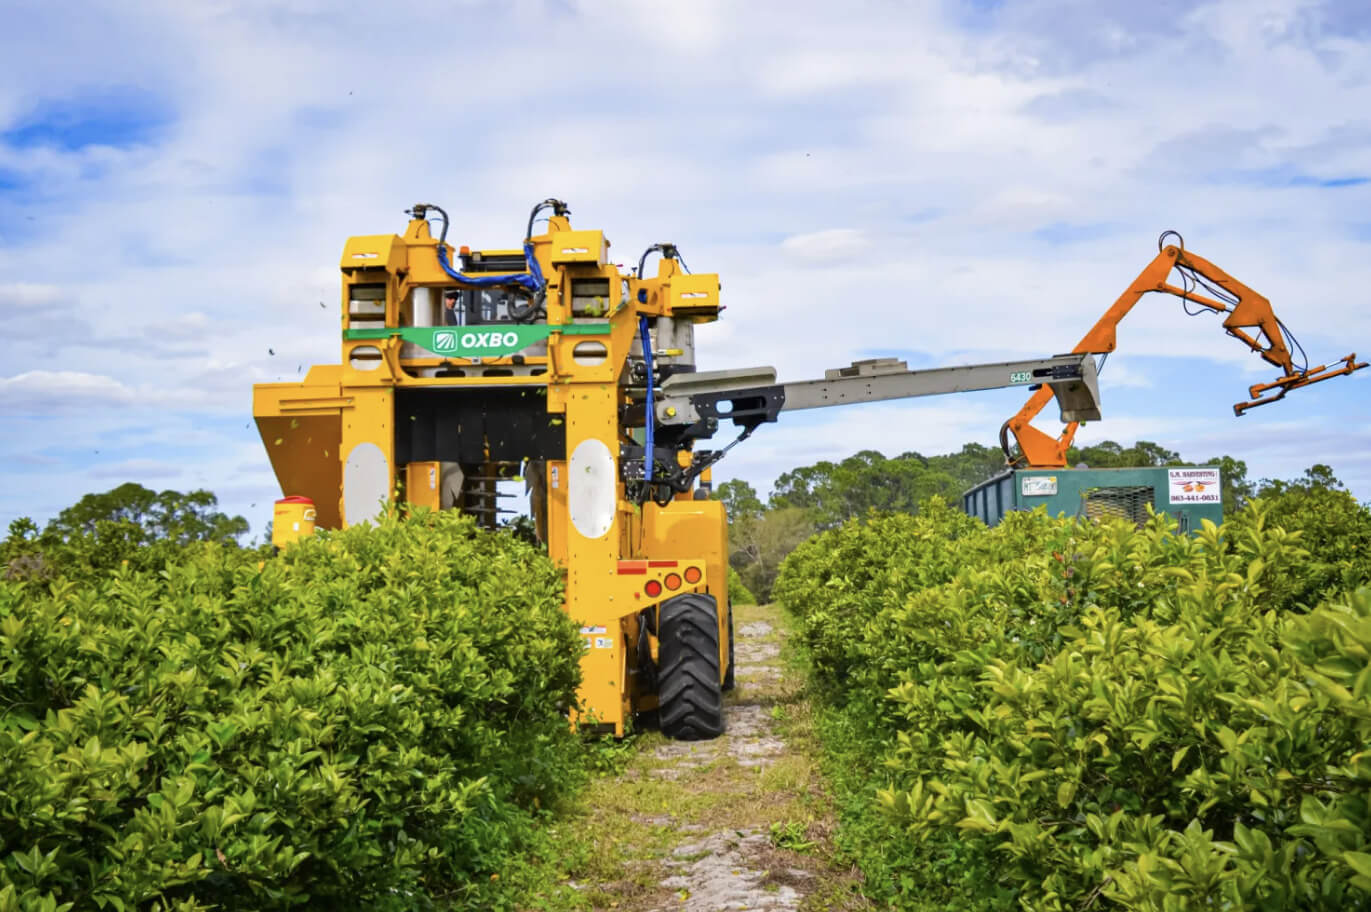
945, 181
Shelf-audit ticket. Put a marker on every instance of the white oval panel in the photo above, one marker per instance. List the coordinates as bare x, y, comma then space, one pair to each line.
366, 483
591, 488
365, 358
589, 353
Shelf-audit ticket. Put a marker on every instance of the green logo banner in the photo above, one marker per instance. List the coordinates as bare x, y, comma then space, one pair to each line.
477, 341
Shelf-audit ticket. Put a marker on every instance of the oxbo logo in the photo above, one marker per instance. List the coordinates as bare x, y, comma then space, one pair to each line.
444, 341
489, 339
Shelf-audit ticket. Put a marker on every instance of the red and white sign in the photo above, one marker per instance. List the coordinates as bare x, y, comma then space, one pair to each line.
1194, 486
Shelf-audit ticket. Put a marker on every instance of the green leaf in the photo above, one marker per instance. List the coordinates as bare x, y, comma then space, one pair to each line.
1359, 862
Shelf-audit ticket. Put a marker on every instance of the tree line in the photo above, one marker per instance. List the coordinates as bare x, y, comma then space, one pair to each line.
126, 524
822, 496
134, 524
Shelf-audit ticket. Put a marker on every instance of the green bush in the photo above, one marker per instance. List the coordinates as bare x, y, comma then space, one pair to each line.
738, 593
1053, 715
371, 720
1334, 529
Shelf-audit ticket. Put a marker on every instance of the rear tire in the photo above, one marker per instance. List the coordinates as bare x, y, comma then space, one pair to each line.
729, 683
690, 700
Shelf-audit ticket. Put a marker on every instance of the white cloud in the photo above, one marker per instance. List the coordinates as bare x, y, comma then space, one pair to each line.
139, 469
822, 246
1023, 208
41, 390
1123, 375
214, 388
19, 300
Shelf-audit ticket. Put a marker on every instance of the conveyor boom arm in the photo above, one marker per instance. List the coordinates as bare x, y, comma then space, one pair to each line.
750, 397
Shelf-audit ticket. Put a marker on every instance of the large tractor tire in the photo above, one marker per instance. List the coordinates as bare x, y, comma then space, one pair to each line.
690, 700
729, 682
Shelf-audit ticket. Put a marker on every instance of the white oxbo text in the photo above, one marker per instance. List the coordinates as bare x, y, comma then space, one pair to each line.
489, 339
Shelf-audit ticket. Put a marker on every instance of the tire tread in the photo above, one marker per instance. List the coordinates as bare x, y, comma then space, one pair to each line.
689, 696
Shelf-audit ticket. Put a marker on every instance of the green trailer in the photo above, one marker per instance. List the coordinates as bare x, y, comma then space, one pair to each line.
1188, 494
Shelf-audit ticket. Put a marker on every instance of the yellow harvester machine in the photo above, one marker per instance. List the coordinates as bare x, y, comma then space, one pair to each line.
461, 368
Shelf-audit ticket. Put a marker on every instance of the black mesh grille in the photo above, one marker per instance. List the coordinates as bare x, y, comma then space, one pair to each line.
1128, 502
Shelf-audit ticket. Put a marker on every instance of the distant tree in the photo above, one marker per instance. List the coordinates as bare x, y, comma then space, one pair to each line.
836, 492
1110, 455
1321, 476
128, 524
1147, 453
1103, 455
970, 466
758, 551
1237, 489
740, 500
166, 515
802, 486
1317, 477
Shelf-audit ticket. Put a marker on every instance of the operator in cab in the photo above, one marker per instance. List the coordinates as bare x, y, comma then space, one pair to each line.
452, 300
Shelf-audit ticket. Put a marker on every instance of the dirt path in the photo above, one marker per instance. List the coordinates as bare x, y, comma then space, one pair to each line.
741, 822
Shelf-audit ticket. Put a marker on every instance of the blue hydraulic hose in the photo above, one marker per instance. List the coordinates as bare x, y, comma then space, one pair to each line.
651, 411
534, 269
532, 280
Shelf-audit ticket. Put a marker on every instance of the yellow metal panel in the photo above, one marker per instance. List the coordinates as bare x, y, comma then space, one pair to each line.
687, 529
579, 247
424, 268
300, 424
384, 251
563, 366
557, 511
695, 295
371, 420
596, 596
372, 362
507, 252
321, 374
693, 531
422, 487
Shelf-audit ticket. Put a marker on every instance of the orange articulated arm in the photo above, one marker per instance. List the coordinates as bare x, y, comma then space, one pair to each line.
1039, 450
1249, 319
